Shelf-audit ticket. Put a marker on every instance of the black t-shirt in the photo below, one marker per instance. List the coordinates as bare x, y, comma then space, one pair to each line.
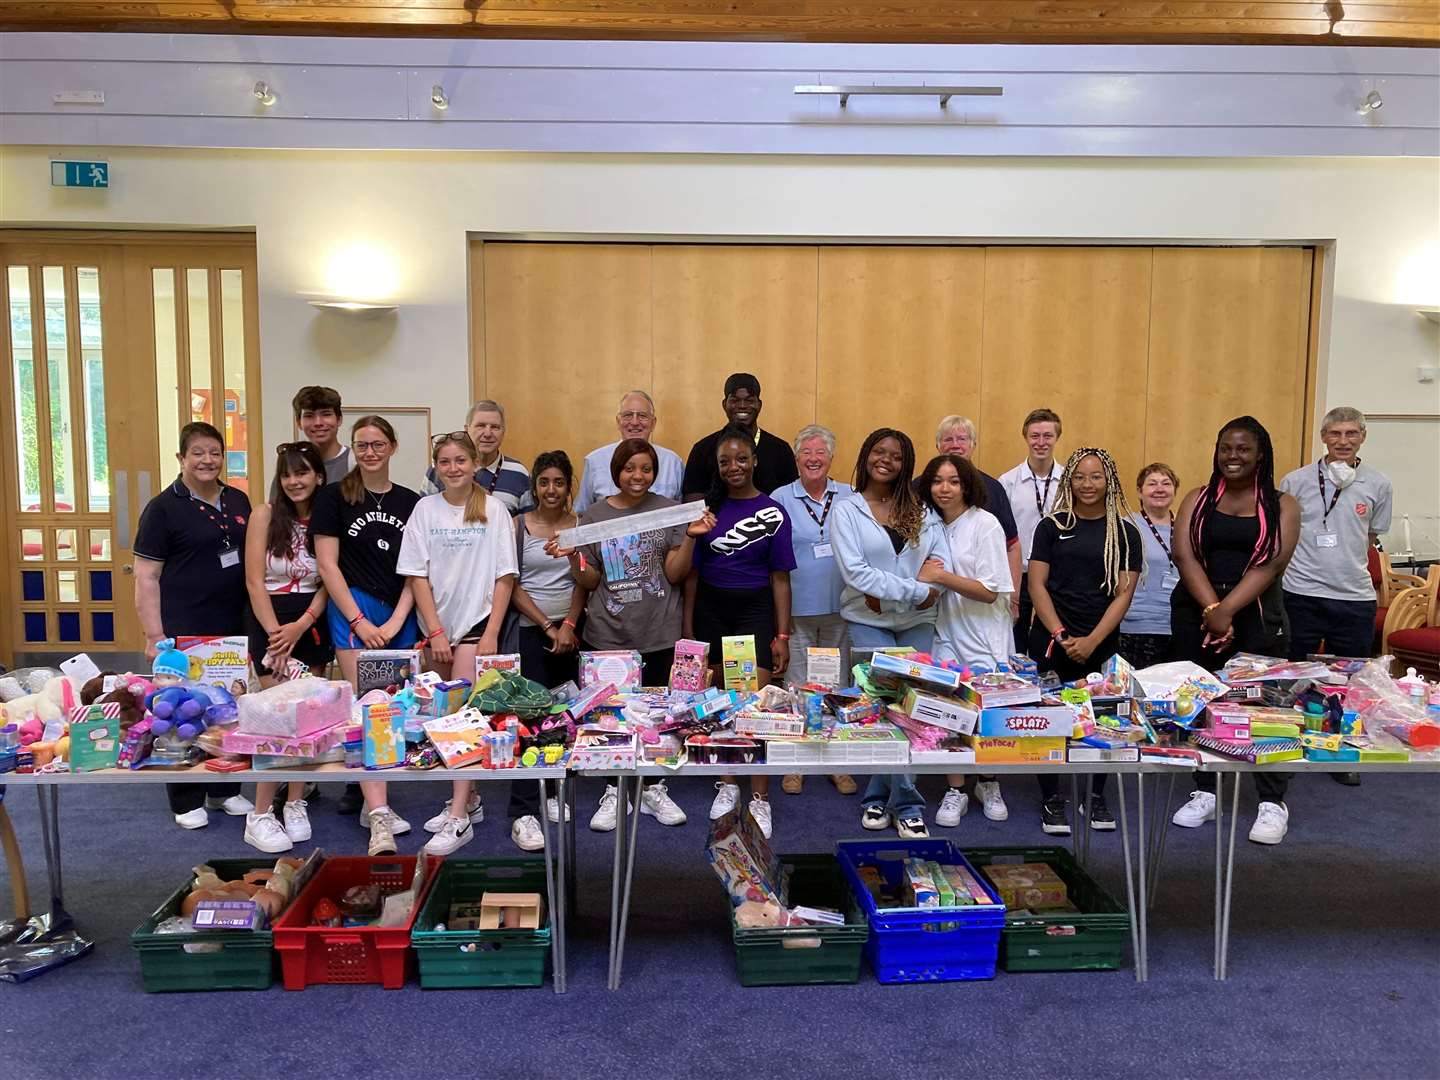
370, 533
202, 585
998, 503
1076, 557
774, 464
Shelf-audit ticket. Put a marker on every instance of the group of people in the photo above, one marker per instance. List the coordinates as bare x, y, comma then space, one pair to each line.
1046, 560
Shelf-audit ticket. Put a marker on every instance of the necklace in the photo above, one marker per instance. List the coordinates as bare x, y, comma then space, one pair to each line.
379, 499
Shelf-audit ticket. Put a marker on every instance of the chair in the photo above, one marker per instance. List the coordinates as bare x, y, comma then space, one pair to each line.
1412, 628
1388, 583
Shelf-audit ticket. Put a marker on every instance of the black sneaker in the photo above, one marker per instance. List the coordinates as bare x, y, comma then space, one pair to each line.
1349, 779
1101, 820
875, 818
351, 801
1053, 818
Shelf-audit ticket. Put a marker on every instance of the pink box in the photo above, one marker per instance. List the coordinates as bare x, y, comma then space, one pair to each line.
294, 709
1229, 721
311, 745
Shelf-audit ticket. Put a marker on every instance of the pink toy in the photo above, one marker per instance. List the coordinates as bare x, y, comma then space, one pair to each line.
31, 730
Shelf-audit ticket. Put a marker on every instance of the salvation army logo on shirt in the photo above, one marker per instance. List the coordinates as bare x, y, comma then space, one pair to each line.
240, 519
1361, 509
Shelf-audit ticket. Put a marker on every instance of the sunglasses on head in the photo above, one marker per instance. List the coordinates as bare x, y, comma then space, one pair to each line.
292, 447
462, 437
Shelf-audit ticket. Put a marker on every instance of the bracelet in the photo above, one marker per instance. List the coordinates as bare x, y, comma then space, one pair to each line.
581, 555
548, 626
782, 637
567, 621
1205, 611
435, 634
1058, 634
357, 620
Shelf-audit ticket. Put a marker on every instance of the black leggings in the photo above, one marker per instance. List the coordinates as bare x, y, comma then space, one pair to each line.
187, 797
1068, 671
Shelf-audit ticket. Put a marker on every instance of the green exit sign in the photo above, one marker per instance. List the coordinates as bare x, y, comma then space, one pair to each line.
85, 174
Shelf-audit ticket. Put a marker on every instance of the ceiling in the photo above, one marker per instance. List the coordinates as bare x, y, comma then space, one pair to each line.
1288, 22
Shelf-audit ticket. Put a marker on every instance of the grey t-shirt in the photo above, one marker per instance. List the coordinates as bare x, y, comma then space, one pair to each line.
635, 607
338, 466
1330, 557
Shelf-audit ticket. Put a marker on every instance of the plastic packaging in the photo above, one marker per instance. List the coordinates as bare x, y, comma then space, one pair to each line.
1390, 714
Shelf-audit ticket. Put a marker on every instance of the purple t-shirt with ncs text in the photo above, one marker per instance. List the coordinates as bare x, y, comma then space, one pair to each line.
750, 539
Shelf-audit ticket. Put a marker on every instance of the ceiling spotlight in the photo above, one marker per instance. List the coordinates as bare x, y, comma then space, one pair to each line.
264, 94
1372, 102
438, 98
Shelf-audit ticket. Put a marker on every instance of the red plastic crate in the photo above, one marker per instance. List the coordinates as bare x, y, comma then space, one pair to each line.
323, 955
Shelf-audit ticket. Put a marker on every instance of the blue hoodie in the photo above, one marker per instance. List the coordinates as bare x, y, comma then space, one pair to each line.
869, 567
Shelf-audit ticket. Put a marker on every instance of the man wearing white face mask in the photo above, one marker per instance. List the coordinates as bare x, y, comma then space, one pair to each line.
1344, 505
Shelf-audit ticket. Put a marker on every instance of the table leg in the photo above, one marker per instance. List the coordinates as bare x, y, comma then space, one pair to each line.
621, 796
629, 880
1219, 884
49, 799
1229, 881
1074, 813
1162, 831
1140, 851
1130, 883
567, 822
556, 900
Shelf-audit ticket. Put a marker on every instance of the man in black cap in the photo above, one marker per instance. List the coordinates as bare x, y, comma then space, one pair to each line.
774, 459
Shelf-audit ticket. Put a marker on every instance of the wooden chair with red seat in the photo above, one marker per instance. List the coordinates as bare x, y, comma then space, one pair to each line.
1412, 627
1388, 583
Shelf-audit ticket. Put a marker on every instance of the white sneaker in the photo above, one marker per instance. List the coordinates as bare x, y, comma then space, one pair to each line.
477, 813
527, 834
194, 819
398, 825
1271, 823
382, 837
603, 819
655, 800
1200, 809
726, 798
991, 801
456, 833
552, 810
760, 814
297, 821
264, 833
235, 805
952, 808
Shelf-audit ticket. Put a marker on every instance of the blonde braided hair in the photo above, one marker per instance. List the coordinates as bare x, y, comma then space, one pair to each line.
1117, 509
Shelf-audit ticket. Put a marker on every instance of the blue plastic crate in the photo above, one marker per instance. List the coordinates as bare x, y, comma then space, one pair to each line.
930, 945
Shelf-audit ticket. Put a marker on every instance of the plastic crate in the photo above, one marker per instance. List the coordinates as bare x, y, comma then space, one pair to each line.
205, 959
456, 959
796, 956
891, 751
1091, 941
909, 945
795, 752
319, 955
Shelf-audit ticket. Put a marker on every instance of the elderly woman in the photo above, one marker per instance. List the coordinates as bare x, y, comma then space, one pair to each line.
815, 584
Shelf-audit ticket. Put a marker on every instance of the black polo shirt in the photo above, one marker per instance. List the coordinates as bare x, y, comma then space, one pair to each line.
774, 464
200, 593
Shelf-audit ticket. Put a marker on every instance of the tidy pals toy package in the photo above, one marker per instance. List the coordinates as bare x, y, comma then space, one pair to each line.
218, 661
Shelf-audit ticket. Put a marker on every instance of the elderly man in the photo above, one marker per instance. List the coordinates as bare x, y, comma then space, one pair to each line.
635, 419
501, 476
957, 435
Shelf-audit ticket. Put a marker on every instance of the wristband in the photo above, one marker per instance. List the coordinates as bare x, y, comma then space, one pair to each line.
548, 626
782, 637
1205, 611
568, 622
357, 620
1054, 640
433, 636
581, 554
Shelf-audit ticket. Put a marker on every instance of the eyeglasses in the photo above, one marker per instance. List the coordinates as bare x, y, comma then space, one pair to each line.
631, 417
462, 437
371, 447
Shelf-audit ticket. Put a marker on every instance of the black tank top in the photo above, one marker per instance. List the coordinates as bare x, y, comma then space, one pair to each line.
1226, 547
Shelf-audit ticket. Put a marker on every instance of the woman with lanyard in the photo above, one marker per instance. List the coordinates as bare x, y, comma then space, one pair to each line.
358, 525
884, 535
740, 587
1231, 541
190, 581
635, 593
287, 602
815, 621
1145, 630
459, 557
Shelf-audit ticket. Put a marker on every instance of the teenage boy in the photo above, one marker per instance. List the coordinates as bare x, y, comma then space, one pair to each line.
319, 415
503, 477
635, 419
774, 460
1032, 487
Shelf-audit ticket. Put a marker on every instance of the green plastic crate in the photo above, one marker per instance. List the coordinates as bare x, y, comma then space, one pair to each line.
762, 955
239, 961
469, 959
1091, 941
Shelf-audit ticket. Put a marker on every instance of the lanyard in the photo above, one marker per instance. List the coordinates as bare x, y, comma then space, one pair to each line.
1040, 500
1325, 510
220, 521
824, 513
1158, 538
494, 476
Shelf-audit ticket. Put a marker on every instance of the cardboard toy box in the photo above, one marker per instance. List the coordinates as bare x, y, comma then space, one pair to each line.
1028, 721
385, 669
949, 713
690, 670
738, 663
903, 667
94, 737
1027, 885
999, 690
621, 668
218, 661
765, 725
1008, 750
384, 736
822, 667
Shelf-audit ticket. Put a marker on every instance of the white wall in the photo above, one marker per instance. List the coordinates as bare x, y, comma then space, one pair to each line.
310, 208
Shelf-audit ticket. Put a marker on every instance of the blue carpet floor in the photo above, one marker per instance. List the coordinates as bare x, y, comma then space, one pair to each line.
1334, 971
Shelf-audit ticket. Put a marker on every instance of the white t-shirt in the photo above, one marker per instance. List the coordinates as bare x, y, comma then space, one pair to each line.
460, 561
967, 630
1031, 498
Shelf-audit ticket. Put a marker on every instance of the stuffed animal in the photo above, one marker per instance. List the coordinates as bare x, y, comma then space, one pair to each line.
180, 708
53, 702
130, 691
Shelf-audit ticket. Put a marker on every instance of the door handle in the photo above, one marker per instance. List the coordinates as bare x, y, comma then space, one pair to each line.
128, 568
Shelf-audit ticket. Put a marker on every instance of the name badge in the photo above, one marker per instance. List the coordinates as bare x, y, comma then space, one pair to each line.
1171, 579
1326, 540
823, 551
229, 557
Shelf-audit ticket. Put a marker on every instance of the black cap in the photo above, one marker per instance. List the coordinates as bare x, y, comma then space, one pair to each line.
742, 380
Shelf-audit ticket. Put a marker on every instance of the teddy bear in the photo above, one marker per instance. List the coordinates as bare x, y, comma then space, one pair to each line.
130, 691
53, 702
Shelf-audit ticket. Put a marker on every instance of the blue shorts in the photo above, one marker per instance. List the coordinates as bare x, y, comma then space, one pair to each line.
378, 612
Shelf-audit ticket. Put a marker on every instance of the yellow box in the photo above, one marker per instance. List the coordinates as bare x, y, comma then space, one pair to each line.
1028, 750
738, 663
